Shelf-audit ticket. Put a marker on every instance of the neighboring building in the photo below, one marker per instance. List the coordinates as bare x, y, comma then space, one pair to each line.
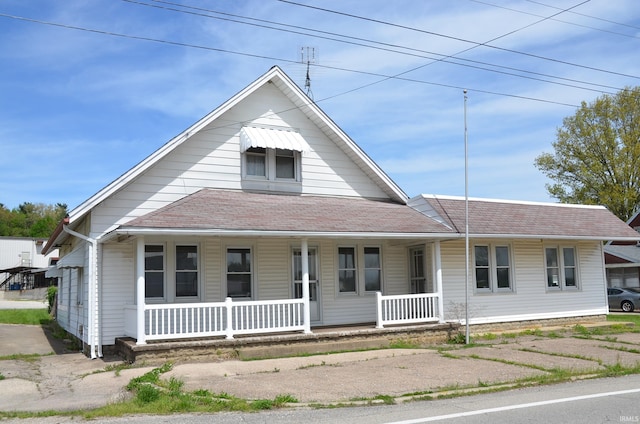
622, 259
265, 216
23, 265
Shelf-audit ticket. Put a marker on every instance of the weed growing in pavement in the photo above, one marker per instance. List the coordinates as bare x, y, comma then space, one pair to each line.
27, 357
403, 344
458, 338
488, 336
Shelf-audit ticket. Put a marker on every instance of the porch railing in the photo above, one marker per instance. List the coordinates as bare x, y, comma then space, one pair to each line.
228, 318
407, 309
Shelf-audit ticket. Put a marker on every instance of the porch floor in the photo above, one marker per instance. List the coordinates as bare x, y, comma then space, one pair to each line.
321, 340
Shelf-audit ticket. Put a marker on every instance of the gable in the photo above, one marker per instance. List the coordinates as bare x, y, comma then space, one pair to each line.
209, 155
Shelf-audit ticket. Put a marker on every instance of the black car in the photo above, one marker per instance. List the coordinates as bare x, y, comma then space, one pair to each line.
625, 298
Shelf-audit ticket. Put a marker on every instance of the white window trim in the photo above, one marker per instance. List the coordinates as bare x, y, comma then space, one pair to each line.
169, 282
162, 299
493, 269
363, 270
360, 287
225, 288
174, 271
270, 167
562, 286
356, 259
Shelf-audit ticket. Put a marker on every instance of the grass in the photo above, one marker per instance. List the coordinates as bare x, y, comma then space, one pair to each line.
632, 318
25, 316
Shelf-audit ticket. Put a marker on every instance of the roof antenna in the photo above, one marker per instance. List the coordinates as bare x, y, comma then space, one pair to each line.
308, 56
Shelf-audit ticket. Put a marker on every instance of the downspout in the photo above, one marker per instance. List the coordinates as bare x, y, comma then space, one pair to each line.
93, 284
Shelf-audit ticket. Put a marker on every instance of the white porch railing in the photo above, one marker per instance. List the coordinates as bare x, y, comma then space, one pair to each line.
228, 318
407, 309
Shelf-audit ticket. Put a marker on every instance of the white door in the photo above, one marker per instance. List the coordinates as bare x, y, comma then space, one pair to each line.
314, 294
418, 277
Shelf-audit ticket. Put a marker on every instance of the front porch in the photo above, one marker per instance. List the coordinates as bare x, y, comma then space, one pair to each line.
320, 340
230, 319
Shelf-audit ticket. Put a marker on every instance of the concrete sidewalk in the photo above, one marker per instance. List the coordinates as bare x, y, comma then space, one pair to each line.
70, 381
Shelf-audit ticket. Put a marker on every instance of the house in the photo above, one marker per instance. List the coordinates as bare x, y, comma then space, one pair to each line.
23, 265
622, 259
264, 216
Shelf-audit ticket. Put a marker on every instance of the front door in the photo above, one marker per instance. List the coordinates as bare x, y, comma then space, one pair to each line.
418, 276
314, 294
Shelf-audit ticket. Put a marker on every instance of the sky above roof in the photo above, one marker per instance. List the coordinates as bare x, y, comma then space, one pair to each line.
89, 89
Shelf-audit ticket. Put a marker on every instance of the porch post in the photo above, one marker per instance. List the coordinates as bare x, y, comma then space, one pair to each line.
304, 259
438, 269
140, 291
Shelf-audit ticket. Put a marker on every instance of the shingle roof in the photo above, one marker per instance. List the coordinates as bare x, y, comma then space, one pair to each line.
237, 210
630, 253
490, 217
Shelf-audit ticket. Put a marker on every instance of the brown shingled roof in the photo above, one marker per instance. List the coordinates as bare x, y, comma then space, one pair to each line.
532, 219
237, 210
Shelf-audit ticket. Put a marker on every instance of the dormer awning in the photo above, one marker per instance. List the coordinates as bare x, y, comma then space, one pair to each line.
272, 138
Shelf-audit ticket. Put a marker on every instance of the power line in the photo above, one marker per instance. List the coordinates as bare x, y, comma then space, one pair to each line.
589, 16
564, 22
440, 58
180, 44
459, 39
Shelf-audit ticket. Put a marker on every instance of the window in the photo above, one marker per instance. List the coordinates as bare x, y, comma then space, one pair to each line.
359, 269
561, 268
347, 269
154, 271
372, 269
186, 271
271, 164
492, 268
239, 272
256, 160
285, 164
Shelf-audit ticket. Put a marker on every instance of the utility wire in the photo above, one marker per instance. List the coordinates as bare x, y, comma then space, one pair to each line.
564, 22
440, 58
180, 44
350, 15
588, 16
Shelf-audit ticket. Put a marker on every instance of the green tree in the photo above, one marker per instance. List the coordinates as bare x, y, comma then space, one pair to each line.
31, 219
596, 157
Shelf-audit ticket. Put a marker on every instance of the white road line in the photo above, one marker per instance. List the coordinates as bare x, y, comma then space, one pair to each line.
511, 407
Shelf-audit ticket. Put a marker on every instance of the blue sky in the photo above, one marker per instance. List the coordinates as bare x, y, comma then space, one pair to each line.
90, 88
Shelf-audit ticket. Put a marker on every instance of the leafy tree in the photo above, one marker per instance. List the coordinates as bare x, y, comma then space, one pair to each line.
597, 155
31, 219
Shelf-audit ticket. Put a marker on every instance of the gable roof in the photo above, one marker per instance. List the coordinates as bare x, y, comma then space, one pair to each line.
212, 211
276, 76
502, 218
627, 253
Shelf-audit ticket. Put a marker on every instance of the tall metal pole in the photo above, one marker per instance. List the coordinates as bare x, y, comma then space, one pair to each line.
466, 224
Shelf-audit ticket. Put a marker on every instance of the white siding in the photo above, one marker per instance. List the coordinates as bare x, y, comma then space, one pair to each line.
117, 284
211, 159
530, 298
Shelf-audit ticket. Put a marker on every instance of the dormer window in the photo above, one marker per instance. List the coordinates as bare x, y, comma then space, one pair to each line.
271, 155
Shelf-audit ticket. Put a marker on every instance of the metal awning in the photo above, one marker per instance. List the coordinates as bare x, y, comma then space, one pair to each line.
272, 138
75, 259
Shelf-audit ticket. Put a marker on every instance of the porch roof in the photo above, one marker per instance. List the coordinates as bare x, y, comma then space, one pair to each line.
503, 218
210, 211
